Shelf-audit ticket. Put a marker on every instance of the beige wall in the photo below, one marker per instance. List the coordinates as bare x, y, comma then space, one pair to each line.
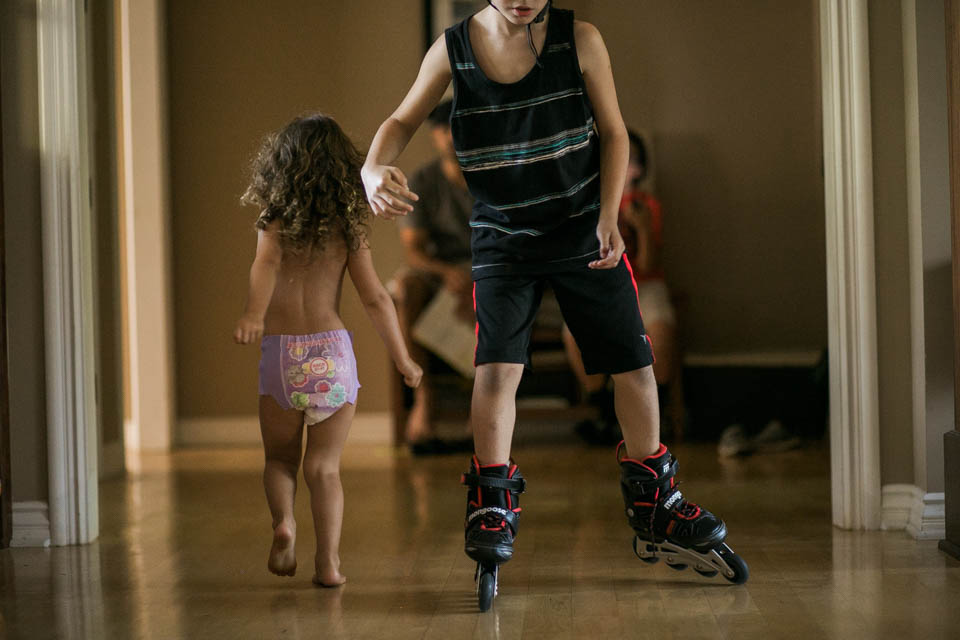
935, 220
238, 70
892, 243
21, 180
730, 92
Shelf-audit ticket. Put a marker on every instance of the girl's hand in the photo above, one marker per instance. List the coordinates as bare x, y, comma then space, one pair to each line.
386, 189
411, 372
611, 245
249, 329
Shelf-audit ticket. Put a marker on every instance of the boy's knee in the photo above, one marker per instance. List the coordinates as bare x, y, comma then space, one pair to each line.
638, 377
500, 378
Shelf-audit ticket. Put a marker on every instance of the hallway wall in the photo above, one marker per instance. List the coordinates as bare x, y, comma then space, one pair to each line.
21, 182
236, 72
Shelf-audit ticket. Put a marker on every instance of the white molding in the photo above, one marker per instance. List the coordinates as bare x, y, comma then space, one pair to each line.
31, 525
372, 427
928, 518
851, 292
907, 507
897, 504
67, 272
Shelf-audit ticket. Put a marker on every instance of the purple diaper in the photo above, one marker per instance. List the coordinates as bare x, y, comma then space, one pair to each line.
315, 373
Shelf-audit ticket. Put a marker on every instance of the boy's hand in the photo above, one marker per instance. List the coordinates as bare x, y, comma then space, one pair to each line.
411, 372
611, 245
387, 191
249, 329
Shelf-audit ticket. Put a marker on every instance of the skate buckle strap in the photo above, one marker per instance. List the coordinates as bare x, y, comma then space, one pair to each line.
474, 480
645, 483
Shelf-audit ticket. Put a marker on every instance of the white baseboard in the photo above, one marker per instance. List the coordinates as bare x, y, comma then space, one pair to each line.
908, 507
371, 427
31, 524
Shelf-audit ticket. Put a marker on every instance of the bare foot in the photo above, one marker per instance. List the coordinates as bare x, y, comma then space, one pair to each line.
328, 576
283, 560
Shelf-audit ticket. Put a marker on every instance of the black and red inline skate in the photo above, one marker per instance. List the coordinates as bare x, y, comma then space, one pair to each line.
493, 511
667, 526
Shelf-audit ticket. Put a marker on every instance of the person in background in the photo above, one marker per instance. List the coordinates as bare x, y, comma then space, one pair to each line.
641, 226
436, 242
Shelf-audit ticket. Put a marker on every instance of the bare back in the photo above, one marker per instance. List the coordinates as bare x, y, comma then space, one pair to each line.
306, 297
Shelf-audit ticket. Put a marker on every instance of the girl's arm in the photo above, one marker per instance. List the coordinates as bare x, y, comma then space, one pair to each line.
385, 184
263, 278
378, 305
614, 144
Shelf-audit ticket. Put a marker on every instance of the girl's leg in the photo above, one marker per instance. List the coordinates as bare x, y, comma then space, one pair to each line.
321, 470
282, 431
494, 410
638, 410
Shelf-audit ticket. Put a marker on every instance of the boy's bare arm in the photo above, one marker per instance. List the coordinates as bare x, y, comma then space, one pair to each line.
386, 186
263, 279
614, 144
379, 306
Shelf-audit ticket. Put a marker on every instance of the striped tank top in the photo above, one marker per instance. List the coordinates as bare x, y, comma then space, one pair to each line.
530, 155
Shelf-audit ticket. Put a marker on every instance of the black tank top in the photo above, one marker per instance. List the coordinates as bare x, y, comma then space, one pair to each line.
530, 155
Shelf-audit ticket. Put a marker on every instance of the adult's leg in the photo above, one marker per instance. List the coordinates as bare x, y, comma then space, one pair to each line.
589, 383
321, 470
282, 432
417, 288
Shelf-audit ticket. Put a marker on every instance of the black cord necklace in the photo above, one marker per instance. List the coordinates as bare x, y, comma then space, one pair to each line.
540, 18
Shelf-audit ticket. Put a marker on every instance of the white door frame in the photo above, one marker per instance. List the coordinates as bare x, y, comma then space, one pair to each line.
68, 268
68, 272
851, 283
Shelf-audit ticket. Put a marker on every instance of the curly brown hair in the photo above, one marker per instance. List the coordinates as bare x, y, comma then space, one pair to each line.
307, 177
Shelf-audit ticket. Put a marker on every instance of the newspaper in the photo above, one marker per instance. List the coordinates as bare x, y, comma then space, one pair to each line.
441, 330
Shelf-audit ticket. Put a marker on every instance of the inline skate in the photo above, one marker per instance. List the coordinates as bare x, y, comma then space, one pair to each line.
493, 511
667, 526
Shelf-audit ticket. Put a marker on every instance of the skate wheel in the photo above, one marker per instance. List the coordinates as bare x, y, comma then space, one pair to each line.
739, 569
706, 573
486, 589
676, 566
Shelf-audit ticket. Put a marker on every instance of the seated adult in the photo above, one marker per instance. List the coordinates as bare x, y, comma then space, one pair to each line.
641, 225
436, 241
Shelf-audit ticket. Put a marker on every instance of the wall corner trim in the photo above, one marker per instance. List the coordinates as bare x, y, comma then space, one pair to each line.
31, 524
907, 507
851, 278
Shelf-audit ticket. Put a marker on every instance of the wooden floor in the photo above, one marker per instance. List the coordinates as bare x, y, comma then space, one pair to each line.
184, 546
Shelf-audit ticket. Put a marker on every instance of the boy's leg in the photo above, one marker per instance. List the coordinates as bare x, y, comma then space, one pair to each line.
493, 410
282, 432
638, 410
506, 307
321, 470
602, 311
